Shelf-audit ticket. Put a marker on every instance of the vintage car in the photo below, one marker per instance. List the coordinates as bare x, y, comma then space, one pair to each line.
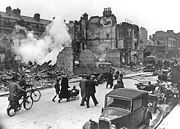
125, 108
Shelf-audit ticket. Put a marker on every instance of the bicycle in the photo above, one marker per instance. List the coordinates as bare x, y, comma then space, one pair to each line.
13, 107
34, 93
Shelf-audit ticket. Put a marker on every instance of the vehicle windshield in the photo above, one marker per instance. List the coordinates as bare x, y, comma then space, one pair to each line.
118, 103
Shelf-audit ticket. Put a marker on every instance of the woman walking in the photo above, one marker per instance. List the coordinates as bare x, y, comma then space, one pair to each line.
57, 89
64, 89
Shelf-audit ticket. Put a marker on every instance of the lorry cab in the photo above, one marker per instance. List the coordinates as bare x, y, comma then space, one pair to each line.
149, 63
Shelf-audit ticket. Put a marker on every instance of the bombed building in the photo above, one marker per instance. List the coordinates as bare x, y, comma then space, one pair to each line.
108, 40
8, 20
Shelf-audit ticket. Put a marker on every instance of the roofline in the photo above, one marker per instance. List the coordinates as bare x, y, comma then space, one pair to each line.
120, 96
117, 96
22, 17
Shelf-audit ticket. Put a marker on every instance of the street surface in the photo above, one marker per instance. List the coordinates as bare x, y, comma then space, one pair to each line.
46, 114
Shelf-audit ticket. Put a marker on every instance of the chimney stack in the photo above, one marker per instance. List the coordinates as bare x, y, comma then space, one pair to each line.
16, 12
107, 12
37, 17
8, 10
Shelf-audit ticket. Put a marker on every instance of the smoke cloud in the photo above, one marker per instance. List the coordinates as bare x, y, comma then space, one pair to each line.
41, 50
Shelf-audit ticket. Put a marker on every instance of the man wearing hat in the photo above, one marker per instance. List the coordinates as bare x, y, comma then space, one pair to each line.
91, 90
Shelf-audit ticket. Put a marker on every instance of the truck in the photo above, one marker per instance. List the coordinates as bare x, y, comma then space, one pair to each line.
150, 64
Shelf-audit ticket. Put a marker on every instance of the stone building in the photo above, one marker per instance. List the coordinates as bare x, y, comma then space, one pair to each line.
164, 45
101, 32
167, 44
127, 41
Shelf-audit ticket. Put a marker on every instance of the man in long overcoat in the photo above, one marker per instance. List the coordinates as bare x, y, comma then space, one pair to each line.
82, 85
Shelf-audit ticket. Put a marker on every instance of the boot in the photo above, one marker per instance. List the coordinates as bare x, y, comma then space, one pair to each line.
54, 98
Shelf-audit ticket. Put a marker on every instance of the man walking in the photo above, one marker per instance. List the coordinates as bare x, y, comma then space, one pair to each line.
91, 90
82, 86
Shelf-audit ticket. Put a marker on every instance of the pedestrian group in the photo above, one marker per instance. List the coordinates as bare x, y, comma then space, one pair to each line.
87, 86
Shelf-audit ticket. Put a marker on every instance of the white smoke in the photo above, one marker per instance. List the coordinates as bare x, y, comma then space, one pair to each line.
44, 49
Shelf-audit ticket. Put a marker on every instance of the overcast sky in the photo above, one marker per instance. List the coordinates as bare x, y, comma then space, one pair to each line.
152, 14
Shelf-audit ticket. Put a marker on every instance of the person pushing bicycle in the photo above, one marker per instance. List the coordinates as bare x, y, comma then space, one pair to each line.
13, 91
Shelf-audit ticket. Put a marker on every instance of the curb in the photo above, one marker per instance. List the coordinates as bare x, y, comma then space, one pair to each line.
166, 114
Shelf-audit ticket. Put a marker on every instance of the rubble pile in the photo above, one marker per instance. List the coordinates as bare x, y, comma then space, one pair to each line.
127, 69
39, 76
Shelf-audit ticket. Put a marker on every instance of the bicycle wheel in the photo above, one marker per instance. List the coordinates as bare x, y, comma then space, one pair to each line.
36, 95
28, 103
11, 111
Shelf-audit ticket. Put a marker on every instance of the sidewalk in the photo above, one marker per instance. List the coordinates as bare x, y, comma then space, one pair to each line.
172, 119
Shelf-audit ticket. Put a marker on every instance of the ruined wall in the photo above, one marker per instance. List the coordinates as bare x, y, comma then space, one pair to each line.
65, 60
113, 56
87, 58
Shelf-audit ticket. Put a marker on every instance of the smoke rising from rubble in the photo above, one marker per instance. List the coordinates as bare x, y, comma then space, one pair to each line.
44, 49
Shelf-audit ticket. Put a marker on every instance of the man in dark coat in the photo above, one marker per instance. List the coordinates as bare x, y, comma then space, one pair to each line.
110, 80
91, 90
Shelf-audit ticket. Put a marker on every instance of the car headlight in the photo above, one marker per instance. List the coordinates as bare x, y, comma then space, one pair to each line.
113, 126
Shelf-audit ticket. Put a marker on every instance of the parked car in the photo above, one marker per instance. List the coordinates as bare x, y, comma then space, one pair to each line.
125, 108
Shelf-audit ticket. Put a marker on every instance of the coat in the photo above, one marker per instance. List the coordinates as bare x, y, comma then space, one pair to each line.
82, 85
57, 87
64, 88
91, 86
110, 78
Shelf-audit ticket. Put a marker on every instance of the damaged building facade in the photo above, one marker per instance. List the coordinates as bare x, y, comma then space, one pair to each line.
164, 45
8, 20
108, 40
